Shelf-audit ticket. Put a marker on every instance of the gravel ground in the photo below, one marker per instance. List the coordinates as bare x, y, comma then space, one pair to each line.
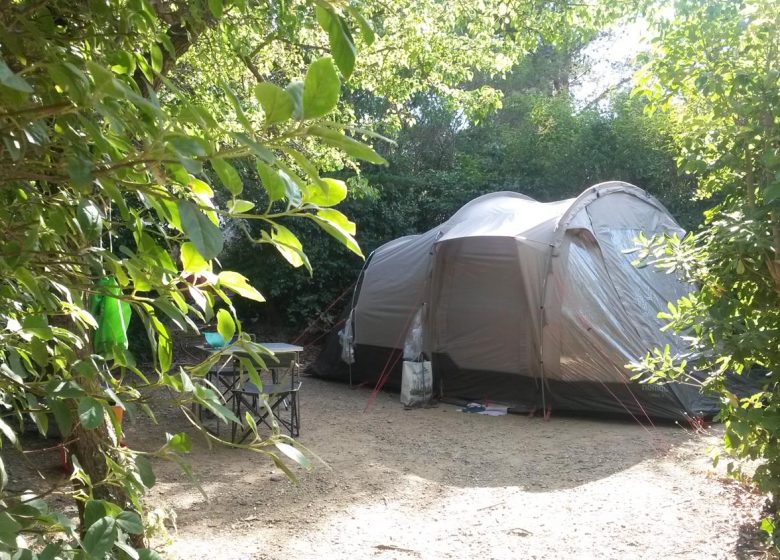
437, 483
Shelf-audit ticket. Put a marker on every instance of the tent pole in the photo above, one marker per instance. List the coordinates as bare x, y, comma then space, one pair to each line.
350, 315
548, 271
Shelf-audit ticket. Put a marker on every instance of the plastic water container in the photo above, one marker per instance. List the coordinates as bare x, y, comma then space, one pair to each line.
214, 339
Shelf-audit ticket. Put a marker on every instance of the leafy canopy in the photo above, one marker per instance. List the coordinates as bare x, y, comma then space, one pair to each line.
112, 170
124, 124
716, 70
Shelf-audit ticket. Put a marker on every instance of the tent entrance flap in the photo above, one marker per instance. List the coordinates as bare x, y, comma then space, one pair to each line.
479, 314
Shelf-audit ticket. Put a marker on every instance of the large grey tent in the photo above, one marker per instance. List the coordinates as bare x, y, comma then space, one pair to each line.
525, 303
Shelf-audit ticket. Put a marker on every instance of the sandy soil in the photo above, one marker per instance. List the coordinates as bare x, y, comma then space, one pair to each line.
437, 483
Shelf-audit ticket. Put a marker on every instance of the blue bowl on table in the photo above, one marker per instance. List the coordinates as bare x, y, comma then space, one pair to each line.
214, 339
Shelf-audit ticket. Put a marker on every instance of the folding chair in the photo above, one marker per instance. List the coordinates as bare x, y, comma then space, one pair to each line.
224, 377
282, 399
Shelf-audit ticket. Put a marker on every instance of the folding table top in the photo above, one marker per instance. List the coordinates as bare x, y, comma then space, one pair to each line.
274, 347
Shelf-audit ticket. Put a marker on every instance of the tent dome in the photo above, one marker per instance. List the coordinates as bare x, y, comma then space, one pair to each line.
528, 303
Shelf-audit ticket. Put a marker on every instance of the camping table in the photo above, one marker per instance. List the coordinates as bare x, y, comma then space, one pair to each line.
235, 382
277, 349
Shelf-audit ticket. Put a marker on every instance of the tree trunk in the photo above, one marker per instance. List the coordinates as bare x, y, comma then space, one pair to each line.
773, 263
90, 448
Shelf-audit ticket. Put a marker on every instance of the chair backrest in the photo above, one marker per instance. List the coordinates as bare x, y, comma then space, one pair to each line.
285, 360
227, 365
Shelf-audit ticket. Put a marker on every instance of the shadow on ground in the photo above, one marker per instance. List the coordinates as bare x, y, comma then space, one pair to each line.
369, 453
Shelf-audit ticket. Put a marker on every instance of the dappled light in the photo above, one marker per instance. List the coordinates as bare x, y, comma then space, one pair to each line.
436, 482
233, 230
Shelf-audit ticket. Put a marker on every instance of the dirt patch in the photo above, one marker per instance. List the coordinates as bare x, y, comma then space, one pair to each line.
438, 483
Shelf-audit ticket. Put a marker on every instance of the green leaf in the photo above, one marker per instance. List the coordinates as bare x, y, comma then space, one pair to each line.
342, 47
79, 171
349, 145
321, 88
157, 58
11, 80
67, 79
41, 420
94, 510
177, 316
90, 413
100, 537
365, 28
288, 245
239, 206
772, 191
62, 416
130, 522
336, 192
143, 65
122, 62
130, 552
187, 146
295, 90
284, 468
277, 103
145, 471
291, 189
240, 115
257, 149
9, 528
24, 554
180, 443
216, 7
225, 325
202, 190
164, 347
206, 237
239, 284
306, 165
198, 297
191, 260
90, 218
342, 236
272, 183
337, 218
228, 175
294, 454
768, 526
52, 551
148, 554
8, 432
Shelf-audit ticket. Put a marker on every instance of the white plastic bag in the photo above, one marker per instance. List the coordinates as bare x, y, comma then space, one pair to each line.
413, 345
416, 383
347, 340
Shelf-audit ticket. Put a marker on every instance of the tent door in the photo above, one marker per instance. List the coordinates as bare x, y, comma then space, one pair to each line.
480, 321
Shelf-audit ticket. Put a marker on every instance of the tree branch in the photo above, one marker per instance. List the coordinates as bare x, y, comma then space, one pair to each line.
40, 111
252, 68
182, 33
593, 102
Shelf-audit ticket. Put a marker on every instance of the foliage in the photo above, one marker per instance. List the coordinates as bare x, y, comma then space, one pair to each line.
717, 72
537, 144
99, 144
133, 132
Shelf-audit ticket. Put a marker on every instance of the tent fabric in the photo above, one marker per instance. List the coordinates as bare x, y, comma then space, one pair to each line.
531, 304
